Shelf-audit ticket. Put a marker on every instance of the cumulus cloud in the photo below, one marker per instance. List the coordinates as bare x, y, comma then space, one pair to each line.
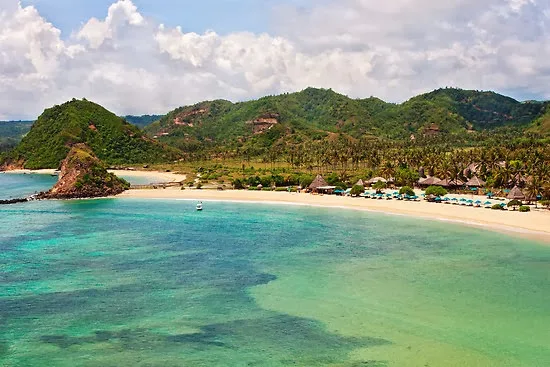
393, 50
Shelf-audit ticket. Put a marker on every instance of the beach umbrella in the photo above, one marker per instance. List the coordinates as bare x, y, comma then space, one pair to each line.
502, 205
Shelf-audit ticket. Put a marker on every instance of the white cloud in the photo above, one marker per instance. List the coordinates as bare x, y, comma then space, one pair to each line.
393, 50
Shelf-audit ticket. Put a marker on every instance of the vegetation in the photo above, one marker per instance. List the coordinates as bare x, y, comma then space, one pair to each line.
449, 133
436, 191
83, 175
11, 133
142, 121
288, 124
514, 203
285, 140
524, 209
79, 121
497, 207
357, 190
380, 185
406, 190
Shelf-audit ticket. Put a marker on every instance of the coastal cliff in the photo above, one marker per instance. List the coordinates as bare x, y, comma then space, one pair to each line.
83, 175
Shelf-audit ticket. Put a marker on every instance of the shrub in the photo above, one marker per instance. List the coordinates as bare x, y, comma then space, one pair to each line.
406, 190
436, 190
496, 207
514, 203
524, 209
238, 184
199, 186
281, 189
380, 185
357, 190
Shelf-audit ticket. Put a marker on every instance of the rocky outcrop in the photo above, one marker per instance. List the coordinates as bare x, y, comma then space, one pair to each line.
83, 175
186, 118
265, 122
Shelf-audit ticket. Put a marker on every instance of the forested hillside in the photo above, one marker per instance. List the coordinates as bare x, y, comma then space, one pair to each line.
317, 114
110, 137
11, 133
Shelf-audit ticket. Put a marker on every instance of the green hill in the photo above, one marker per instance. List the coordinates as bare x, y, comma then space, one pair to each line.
315, 114
111, 138
484, 110
142, 121
541, 125
11, 133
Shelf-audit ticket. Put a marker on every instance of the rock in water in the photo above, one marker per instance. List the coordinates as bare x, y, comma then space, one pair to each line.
83, 175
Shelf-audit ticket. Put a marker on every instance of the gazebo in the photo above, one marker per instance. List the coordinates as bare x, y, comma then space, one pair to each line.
360, 183
319, 185
374, 180
430, 181
449, 183
516, 194
475, 182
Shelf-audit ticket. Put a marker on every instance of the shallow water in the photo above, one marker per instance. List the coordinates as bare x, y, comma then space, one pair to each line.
14, 186
155, 283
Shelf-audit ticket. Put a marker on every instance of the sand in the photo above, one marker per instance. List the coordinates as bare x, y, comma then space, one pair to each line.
159, 177
534, 225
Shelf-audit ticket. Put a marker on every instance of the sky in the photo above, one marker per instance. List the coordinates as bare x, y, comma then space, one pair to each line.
148, 57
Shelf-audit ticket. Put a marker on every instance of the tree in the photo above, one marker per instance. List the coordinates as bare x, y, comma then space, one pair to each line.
357, 190
238, 184
514, 204
406, 190
380, 185
436, 191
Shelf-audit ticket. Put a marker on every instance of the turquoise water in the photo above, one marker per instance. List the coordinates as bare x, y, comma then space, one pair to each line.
20, 185
141, 180
155, 283
23, 185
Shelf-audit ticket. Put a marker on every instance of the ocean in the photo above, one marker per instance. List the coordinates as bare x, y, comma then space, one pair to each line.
131, 282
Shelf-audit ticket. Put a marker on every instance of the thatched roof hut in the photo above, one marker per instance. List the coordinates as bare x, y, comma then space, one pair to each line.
449, 183
429, 181
475, 182
374, 180
318, 182
360, 183
516, 194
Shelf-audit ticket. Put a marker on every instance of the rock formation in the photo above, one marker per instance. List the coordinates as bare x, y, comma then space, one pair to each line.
83, 175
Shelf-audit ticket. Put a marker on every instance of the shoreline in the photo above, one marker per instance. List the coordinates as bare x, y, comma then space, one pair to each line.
534, 225
158, 176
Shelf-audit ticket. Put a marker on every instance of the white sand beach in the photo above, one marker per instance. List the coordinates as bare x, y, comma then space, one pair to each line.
534, 225
156, 176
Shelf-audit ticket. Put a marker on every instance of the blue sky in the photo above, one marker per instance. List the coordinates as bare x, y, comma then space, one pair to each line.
222, 16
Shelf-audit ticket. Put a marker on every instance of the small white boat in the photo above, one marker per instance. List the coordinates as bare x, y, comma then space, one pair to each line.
199, 206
